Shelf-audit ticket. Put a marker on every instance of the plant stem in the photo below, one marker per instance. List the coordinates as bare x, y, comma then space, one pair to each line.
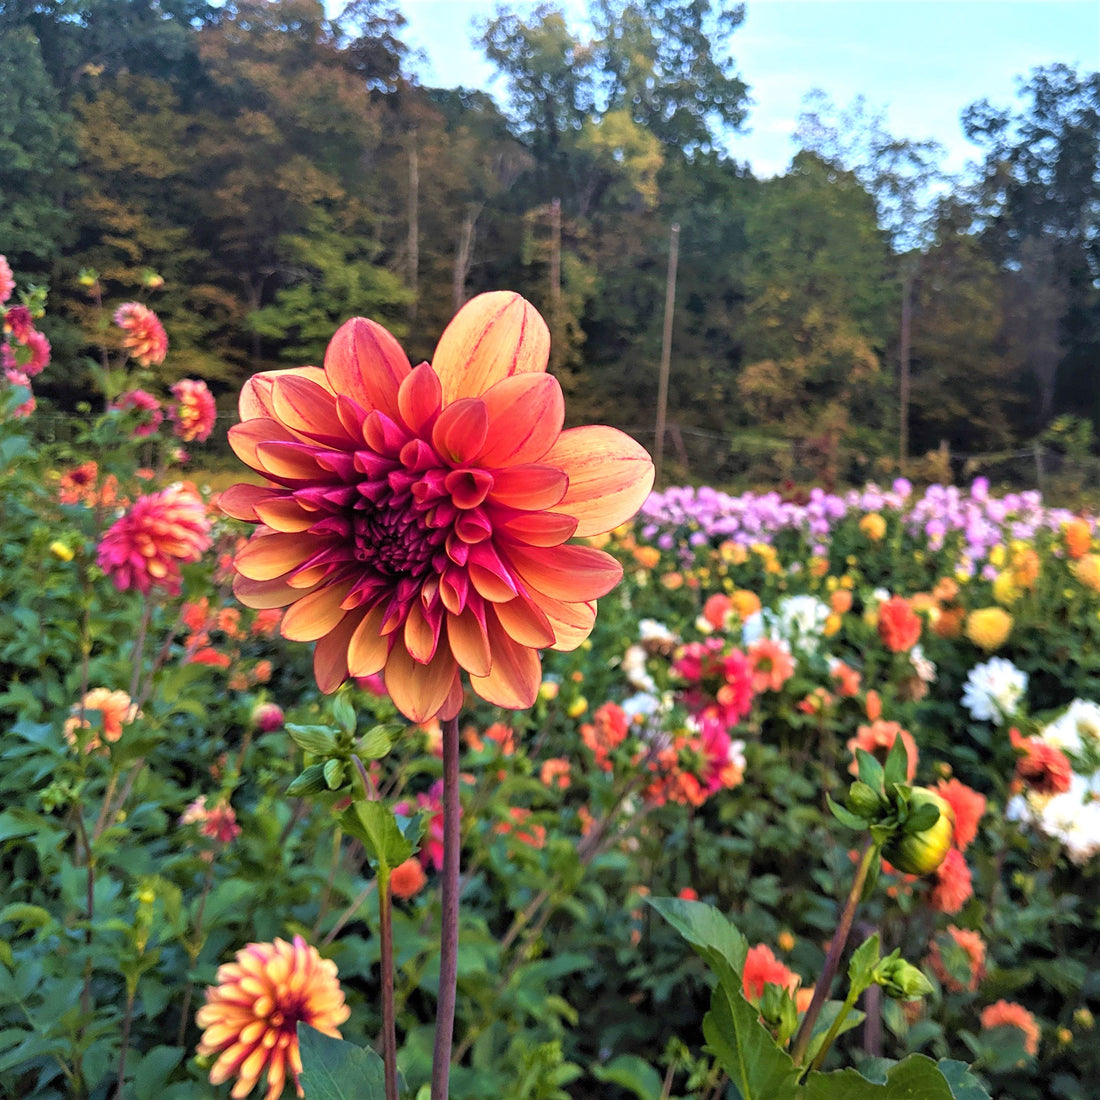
832, 960
834, 1031
389, 1030
127, 1020
448, 941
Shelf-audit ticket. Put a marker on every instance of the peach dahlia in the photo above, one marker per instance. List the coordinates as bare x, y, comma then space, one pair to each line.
416, 521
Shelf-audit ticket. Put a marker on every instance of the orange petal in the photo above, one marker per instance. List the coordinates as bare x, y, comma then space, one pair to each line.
305, 407
245, 438
417, 690
265, 557
316, 614
330, 656
526, 413
492, 337
537, 528
291, 462
469, 642
532, 487
419, 398
285, 513
571, 622
263, 595
364, 362
420, 637
516, 674
255, 400
368, 649
574, 574
460, 431
610, 475
240, 500
525, 623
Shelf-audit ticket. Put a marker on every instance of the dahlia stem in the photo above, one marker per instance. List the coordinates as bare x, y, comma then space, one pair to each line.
448, 941
389, 1031
832, 960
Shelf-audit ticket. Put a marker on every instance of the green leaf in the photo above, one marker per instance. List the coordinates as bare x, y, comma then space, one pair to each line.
632, 1073
916, 1078
376, 826
963, 1084
343, 714
333, 1069
747, 1051
318, 740
829, 1012
870, 770
846, 817
713, 937
375, 743
923, 818
334, 774
26, 916
311, 781
861, 967
153, 1072
897, 764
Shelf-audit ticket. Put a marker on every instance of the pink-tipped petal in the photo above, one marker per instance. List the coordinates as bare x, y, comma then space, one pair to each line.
255, 400
610, 475
533, 487
364, 362
264, 595
309, 409
284, 513
526, 413
240, 500
492, 337
263, 558
419, 398
574, 574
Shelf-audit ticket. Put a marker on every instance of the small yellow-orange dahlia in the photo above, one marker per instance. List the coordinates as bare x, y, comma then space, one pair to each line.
989, 627
1087, 570
145, 336
416, 520
873, 526
250, 1019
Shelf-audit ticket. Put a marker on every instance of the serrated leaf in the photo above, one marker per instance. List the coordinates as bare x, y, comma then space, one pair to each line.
916, 1078
334, 774
861, 966
713, 937
963, 1084
746, 1050
376, 826
631, 1073
333, 1069
311, 781
318, 740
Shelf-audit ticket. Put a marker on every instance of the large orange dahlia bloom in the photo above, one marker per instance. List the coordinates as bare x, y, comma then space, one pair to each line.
250, 1019
417, 519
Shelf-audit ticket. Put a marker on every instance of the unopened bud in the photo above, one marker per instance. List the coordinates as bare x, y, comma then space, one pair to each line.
921, 853
901, 980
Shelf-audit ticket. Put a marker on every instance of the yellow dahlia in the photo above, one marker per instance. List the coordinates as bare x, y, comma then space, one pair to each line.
416, 521
989, 627
250, 1019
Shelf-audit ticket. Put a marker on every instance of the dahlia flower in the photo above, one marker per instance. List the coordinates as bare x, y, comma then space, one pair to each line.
989, 627
763, 968
195, 413
952, 884
144, 334
115, 708
878, 739
144, 402
1010, 1014
416, 520
7, 280
145, 547
993, 690
250, 1019
899, 625
968, 806
964, 943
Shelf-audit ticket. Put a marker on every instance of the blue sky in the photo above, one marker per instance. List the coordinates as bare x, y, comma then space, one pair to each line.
922, 61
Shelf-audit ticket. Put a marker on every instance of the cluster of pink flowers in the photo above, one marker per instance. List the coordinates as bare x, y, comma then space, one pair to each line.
719, 684
193, 414
146, 546
24, 351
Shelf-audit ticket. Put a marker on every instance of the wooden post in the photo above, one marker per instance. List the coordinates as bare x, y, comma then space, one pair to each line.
666, 349
414, 222
556, 342
904, 345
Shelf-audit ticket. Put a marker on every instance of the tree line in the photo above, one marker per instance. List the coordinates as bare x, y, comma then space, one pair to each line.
283, 170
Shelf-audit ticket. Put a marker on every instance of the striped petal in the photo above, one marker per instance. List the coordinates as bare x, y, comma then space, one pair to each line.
330, 656
364, 362
525, 623
265, 557
255, 400
571, 622
610, 475
573, 574
516, 674
526, 413
419, 690
316, 614
309, 409
368, 647
492, 337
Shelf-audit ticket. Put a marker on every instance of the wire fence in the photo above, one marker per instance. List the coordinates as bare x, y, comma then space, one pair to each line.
751, 461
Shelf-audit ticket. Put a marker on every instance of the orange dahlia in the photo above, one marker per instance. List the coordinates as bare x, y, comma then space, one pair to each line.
968, 806
763, 968
899, 625
416, 521
145, 336
195, 413
143, 549
115, 709
1009, 1014
250, 1019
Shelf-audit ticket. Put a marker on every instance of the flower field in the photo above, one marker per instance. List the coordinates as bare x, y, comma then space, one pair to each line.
182, 884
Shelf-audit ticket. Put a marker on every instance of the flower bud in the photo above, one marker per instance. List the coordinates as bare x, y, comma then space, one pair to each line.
267, 717
901, 980
921, 853
863, 800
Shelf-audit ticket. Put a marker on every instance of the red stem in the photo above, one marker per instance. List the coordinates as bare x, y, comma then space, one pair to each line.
448, 943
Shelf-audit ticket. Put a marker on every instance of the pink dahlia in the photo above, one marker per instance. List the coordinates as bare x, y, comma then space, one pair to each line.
417, 521
144, 334
195, 413
145, 547
144, 403
7, 280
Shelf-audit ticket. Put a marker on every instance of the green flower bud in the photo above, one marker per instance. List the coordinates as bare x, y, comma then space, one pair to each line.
901, 980
921, 853
863, 800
